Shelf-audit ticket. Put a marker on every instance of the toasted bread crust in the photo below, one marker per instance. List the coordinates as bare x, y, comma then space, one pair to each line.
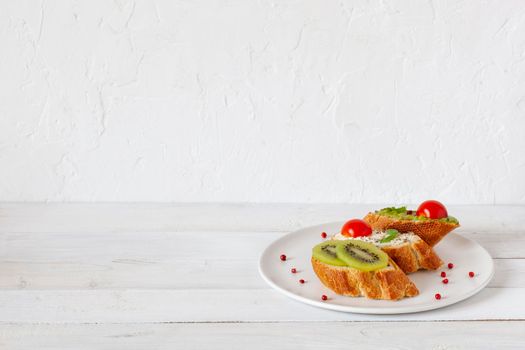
388, 283
414, 256
431, 231
426, 256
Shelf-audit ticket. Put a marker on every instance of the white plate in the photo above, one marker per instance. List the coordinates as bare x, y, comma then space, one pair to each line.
465, 254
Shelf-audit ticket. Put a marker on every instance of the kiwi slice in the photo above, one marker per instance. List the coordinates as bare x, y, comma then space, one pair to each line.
325, 252
361, 255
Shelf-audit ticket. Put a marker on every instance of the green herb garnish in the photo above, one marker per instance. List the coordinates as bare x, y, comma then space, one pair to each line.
401, 213
451, 219
390, 235
393, 211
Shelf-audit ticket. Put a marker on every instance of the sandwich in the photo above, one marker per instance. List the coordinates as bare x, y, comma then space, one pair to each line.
407, 250
356, 268
431, 221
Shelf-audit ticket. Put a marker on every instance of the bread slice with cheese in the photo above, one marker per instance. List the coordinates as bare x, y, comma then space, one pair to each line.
431, 231
388, 283
407, 250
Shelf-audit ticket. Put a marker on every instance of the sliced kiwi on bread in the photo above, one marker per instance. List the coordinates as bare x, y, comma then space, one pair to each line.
325, 252
361, 255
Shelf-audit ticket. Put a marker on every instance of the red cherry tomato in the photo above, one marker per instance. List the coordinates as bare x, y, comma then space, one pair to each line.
356, 228
432, 210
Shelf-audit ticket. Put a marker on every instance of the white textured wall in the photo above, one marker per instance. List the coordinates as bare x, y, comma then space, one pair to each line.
285, 101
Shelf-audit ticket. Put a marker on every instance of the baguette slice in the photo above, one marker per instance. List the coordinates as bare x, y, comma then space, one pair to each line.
431, 231
389, 283
414, 256
411, 254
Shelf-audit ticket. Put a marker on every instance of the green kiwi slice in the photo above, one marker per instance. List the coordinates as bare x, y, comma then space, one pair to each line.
361, 255
325, 252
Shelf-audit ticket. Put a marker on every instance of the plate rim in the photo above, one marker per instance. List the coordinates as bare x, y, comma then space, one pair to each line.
367, 310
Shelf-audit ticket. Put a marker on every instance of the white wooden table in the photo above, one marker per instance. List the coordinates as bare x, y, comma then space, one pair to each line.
146, 276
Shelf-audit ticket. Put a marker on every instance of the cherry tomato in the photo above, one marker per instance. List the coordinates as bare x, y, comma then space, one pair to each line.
432, 210
356, 228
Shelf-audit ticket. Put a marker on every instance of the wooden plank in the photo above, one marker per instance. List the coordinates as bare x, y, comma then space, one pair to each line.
499, 244
176, 274
90, 245
192, 260
151, 217
509, 273
142, 305
231, 336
